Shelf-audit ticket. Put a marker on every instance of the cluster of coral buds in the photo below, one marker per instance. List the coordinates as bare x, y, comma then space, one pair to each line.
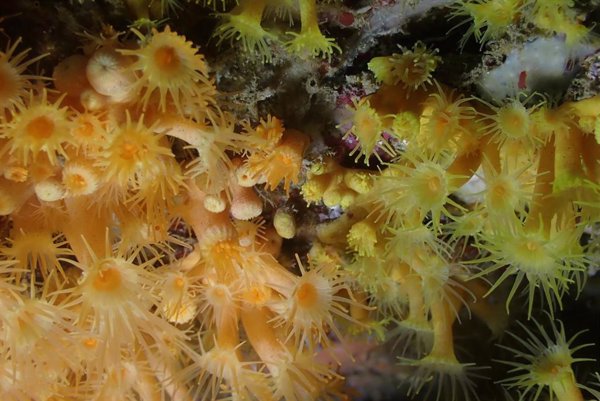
101, 299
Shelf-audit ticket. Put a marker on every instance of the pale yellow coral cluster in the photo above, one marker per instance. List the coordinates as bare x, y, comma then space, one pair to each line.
491, 19
422, 254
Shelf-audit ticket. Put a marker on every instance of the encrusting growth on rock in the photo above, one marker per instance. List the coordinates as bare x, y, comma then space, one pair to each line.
160, 245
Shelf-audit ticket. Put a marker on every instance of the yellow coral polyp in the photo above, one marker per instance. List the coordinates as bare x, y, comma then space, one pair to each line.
444, 120
367, 126
169, 71
310, 40
507, 192
562, 19
243, 24
490, 18
550, 261
545, 361
406, 125
413, 67
359, 181
314, 188
430, 183
513, 121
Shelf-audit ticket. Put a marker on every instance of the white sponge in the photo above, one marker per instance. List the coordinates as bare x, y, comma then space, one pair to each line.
544, 64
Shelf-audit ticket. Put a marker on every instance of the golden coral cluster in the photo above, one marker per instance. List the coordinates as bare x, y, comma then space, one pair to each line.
103, 301
100, 299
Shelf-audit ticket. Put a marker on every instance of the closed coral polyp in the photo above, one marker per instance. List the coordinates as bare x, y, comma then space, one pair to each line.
79, 179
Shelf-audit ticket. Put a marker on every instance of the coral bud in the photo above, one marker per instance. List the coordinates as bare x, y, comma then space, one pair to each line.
362, 238
284, 224
108, 74
244, 176
332, 197
214, 203
358, 181
49, 190
245, 203
79, 179
16, 174
314, 188
92, 100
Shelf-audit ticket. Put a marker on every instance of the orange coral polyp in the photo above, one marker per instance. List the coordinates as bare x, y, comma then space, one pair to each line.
307, 295
281, 164
88, 131
270, 130
40, 127
166, 58
220, 250
512, 121
14, 84
131, 157
77, 182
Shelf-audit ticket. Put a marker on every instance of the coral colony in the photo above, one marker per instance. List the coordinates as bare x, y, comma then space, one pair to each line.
142, 256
